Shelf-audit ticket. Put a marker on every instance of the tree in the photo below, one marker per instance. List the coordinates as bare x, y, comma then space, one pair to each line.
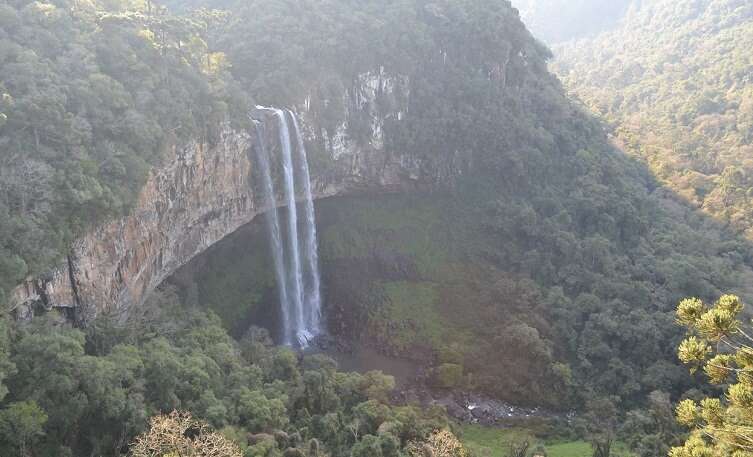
179, 434
652, 431
441, 443
259, 413
518, 449
721, 345
7, 368
601, 419
368, 446
378, 386
21, 424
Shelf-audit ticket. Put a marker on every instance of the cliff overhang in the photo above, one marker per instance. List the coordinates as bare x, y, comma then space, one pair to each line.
203, 193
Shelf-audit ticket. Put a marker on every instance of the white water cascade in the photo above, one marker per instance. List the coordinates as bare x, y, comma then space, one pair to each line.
298, 282
312, 294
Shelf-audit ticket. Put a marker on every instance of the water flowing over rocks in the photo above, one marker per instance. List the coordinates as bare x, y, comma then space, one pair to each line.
296, 261
202, 193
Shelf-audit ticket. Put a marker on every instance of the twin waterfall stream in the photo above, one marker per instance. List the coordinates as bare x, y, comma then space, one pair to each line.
294, 247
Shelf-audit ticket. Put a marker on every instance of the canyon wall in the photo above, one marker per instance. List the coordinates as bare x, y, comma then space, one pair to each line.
203, 193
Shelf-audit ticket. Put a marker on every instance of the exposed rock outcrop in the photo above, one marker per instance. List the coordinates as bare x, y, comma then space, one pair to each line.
204, 193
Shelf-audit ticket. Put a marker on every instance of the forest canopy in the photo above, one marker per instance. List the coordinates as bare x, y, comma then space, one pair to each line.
674, 82
92, 93
576, 254
92, 392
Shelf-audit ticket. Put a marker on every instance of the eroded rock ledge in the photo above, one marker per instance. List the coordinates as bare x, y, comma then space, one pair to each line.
202, 194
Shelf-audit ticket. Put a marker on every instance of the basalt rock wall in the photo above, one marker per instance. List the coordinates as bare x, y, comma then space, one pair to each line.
203, 193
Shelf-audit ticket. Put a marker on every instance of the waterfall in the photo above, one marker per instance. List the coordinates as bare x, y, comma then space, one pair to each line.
313, 301
273, 226
298, 282
295, 278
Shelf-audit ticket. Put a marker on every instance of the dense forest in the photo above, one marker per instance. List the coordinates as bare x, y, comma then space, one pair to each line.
76, 393
674, 82
92, 94
544, 270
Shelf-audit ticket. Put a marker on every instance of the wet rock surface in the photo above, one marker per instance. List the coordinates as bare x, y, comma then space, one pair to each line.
473, 408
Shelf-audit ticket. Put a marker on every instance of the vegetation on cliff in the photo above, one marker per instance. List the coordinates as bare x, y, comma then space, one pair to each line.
578, 316
544, 267
91, 94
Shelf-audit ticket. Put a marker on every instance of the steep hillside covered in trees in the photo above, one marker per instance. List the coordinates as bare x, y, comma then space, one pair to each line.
553, 244
543, 266
675, 82
92, 94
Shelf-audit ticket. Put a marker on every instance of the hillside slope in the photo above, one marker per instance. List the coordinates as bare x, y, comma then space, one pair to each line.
92, 95
542, 265
676, 83
551, 241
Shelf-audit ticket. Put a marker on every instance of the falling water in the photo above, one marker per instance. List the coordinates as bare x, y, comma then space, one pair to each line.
295, 278
313, 297
273, 224
298, 285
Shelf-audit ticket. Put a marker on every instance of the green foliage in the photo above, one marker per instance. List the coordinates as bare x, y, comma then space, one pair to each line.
379, 386
7, 367
408, 317
719, 343
651, 432
438, 307
73, 395
286, 51
257, 413
93, 94
672, 82
22, 425
583, 303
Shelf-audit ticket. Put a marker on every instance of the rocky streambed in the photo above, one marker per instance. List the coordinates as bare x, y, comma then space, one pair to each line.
474, 408
478, 409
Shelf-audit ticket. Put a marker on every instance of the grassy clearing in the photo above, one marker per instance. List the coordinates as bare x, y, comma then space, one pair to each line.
414, 303
486, 441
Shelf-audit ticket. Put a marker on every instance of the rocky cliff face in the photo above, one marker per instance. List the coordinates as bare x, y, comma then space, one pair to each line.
203, 193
